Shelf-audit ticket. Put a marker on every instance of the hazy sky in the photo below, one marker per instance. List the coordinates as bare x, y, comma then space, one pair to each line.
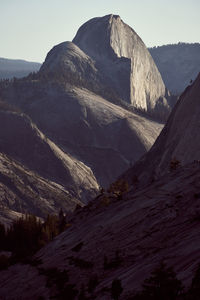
30, 28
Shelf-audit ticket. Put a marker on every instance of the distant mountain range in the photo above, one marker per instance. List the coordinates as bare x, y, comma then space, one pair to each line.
178, 64
17, 68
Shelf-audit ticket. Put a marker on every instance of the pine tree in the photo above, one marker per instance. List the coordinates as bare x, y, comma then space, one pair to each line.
2, 237
194, 291
162, 284
116, 289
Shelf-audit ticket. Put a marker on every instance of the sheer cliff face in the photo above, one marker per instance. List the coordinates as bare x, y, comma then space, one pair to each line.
179, 139
124, 59
181, 134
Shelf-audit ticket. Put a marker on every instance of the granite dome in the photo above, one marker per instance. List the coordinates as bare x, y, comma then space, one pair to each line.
124, 59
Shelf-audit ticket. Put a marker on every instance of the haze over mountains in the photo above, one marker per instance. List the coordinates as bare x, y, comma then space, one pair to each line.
10, 68
88, 117
178, 64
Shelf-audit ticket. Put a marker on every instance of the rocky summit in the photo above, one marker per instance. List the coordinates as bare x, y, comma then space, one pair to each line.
74, 101
124, 60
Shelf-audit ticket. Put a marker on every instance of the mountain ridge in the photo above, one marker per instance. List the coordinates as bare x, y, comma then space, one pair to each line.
10, 68
178, 64
22, 141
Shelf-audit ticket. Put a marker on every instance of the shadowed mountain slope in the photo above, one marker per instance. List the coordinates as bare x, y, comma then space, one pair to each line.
102, 135
24, 191
22, 140
159, 223
178, 141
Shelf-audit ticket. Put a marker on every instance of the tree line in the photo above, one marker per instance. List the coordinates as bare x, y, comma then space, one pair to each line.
28, 234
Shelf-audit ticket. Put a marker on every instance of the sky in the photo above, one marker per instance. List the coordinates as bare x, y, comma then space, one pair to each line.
30, 28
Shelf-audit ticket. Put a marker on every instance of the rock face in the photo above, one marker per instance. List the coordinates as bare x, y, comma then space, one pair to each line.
67, 60
24, 191
7, 216
159, 223
178, 64
179, 139
103, 136
124, 60
22, 141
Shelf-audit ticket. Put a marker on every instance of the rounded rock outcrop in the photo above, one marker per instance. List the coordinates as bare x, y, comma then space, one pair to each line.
66, 59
